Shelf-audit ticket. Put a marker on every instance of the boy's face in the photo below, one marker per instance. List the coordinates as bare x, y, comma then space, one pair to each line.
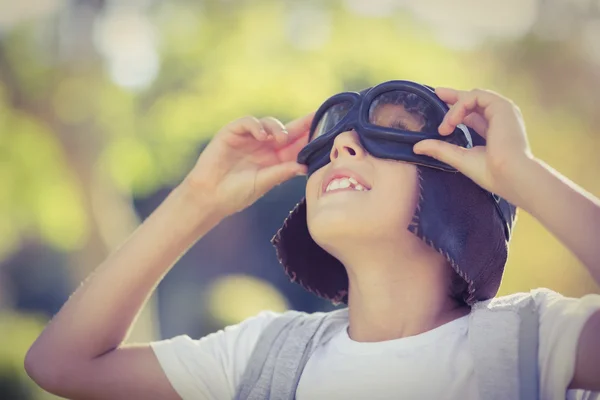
384, 204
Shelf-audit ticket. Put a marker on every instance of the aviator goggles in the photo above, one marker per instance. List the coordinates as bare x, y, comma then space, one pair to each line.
389, 118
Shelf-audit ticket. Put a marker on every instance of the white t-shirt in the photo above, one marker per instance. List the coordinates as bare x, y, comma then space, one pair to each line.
433, 365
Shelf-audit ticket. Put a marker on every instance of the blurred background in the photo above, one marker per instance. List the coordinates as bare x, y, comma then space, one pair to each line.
105, 104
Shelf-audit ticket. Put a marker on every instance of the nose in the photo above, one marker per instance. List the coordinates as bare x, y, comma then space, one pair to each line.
347, 144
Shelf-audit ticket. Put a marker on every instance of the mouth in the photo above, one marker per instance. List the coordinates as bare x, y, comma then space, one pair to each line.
344, 180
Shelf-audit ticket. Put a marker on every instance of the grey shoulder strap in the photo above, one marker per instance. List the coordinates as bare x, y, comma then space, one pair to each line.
504, 336
529, 334
282, 351
268, 339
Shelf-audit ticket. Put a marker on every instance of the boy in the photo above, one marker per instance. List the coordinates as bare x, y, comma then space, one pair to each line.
409, 282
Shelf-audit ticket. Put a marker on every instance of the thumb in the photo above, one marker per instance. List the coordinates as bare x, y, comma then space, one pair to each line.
272, 176
451, 154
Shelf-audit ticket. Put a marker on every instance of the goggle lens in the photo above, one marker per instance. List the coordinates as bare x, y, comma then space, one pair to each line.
401, 110
394, 109
331, 118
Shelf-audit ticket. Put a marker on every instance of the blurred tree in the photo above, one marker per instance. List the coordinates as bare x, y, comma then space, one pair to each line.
17, 332
86, 125
103, 101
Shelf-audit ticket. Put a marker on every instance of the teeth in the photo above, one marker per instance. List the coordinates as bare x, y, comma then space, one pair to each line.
344, 183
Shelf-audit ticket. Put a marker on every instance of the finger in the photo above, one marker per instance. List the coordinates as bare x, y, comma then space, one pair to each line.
476, 101
470, 162
448, 153
275, 128
477, 123
272, 176
448, 95
464, 106
300, 126
246, 125
290, 151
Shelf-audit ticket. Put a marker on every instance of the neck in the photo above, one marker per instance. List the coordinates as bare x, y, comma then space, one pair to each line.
388, 299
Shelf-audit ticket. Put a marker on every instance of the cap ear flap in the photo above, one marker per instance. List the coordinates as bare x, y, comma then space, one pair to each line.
305, 262
508, 211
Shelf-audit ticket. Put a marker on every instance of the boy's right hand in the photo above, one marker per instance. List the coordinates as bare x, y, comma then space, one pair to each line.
246, 159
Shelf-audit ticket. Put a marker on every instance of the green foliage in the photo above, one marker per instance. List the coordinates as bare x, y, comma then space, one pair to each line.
17, 333
70, 138
67, 132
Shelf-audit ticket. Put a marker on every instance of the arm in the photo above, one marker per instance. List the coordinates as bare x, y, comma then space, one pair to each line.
81, 354
587, 361
506, 166
565, 209
573, 216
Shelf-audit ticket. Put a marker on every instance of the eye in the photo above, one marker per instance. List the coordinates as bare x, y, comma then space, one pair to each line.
400, 110
399, 124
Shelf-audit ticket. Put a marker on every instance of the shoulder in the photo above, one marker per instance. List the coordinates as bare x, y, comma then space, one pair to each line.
212, 366
246, 331
252, 327
511, 301
557, 319
540, 325
541, 298
541, 309
302, 323
236, 342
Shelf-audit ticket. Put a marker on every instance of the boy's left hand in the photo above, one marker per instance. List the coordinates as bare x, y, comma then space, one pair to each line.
500, 122
505, 166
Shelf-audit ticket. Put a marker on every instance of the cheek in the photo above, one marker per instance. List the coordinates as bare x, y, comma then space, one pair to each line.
398, 197
397, 206
313, 186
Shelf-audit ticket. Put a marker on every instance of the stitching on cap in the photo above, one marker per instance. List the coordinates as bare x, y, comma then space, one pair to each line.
470, 285
421, 190
415, 221
414, 228
292, 276
282, 257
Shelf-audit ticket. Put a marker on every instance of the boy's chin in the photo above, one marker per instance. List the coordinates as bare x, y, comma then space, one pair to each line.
339, 231
342, 233
334, 224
